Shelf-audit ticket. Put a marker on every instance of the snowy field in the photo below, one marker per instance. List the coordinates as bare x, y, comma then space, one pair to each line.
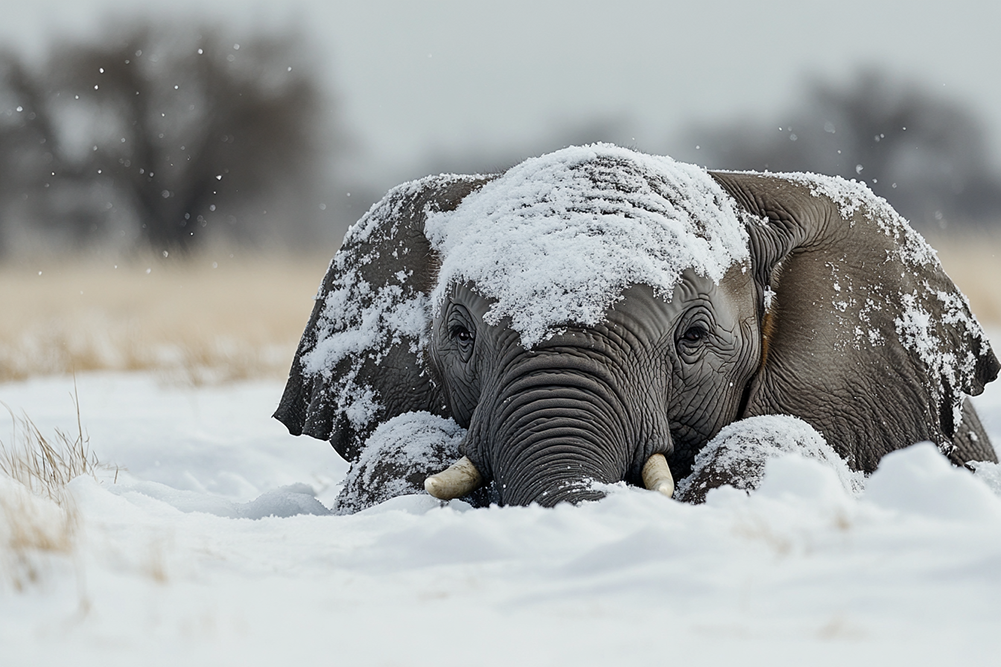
207, 541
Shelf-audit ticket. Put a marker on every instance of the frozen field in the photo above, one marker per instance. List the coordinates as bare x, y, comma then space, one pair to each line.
171, 563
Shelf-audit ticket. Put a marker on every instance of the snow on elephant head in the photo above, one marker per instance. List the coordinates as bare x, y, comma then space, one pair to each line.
556, 239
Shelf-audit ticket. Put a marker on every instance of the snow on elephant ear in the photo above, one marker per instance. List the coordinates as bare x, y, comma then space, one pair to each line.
361, 320
932, 315
556, 239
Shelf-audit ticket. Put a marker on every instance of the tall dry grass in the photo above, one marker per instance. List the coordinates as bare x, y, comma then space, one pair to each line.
211, 318
45, 465
38, 518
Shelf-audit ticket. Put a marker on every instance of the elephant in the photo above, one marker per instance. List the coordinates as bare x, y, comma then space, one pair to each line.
597, 315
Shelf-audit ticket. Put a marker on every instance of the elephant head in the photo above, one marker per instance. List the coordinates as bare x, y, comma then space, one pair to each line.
597, 315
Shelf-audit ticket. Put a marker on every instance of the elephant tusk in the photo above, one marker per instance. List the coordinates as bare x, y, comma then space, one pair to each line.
657, 475
457, 480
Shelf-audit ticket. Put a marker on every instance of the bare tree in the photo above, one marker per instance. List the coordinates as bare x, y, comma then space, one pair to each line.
25, 139
925, 154
184, 131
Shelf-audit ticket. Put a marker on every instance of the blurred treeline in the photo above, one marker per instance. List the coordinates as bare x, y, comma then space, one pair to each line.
162, 139
925, 153
169, 138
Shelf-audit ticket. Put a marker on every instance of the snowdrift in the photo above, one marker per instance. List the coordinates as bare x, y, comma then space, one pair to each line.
214, 546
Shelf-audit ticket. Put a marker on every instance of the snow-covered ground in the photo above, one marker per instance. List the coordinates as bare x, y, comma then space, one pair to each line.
174, 564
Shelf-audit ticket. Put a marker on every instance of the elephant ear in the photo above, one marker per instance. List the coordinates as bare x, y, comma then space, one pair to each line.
864, 335
361, 360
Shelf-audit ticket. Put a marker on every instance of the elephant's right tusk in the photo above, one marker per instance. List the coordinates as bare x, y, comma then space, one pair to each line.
457, 480
657, 475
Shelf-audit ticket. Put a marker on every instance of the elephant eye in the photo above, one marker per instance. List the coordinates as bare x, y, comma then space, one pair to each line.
461, 333
694, 334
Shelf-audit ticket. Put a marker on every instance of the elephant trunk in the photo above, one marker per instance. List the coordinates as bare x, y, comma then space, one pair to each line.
553, 437
555, 472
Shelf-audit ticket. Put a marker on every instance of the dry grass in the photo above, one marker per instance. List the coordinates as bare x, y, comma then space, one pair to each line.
32, 529
37, 516
44, 465
202, 320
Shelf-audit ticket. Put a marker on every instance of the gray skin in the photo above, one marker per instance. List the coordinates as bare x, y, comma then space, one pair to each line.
664, 376
594, 404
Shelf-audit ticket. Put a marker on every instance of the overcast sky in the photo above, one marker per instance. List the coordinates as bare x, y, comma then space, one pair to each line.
423, 79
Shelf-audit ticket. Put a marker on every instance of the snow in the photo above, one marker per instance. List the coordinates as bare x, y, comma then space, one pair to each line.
742, 449
907, 476
214, 537
556, 239
407, 442
165, 567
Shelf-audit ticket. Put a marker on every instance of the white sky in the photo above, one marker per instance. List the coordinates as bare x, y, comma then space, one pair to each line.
424, 79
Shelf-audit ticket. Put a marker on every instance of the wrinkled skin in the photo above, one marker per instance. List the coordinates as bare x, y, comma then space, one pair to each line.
594, 404
664, 375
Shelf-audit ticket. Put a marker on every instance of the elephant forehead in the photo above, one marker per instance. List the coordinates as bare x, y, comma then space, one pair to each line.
556, 239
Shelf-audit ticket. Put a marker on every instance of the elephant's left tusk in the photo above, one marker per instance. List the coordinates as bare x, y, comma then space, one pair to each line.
457, 480
657, 475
